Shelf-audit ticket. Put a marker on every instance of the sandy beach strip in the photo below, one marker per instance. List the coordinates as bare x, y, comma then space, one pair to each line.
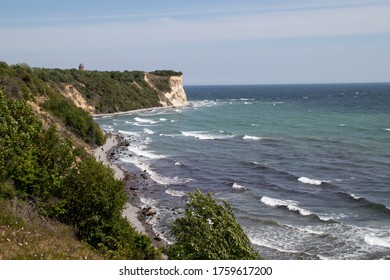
138, 111
131, 112
131, 211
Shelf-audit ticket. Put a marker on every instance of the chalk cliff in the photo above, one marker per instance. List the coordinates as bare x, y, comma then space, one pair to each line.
176, 96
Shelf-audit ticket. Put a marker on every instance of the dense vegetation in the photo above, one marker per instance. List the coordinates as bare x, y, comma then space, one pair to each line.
209, 231
166, 73
22, 82
64, 183
108, 92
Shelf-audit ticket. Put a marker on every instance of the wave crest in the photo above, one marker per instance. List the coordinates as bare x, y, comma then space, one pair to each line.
377, 241
175, 193
309, 181
291, 205
253, 138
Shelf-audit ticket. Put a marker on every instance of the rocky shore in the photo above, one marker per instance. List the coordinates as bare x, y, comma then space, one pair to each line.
133, 212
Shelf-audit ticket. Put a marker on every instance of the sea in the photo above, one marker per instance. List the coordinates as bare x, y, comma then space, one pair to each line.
306, 168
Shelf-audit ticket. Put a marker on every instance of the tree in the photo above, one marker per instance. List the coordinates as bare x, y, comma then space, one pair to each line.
209, 230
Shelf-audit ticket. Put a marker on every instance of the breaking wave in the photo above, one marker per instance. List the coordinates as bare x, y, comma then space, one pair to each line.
291, 205
175, 193
204, 135
309, 181
253, 138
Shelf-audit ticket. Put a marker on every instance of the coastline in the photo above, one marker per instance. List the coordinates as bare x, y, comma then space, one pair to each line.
138, 111
132, 211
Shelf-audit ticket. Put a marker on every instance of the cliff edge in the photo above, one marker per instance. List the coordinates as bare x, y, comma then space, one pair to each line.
175, 95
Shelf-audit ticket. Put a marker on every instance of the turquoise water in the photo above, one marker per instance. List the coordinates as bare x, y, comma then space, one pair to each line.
305, 167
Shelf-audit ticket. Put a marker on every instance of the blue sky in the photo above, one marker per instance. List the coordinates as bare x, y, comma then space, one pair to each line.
211, 42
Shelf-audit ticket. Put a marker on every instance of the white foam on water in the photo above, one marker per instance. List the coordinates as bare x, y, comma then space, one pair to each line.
355, 196
148, 131
253, 138
238, 187
310, 231
377, 241
177, 163
204, 135
143, 124
147, 202
204, 103
326, 218
309, 181
274, 202
163, 119
139, 151
266, 244
169, 135
166, 181
128, 132
260, 163
175, 193
156, 177
143, 120
387, 129
290, 204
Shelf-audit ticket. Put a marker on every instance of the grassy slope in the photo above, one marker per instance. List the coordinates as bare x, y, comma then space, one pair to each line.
24, 234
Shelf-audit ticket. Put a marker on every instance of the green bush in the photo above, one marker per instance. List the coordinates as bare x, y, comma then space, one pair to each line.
78, 120
209, 231
93, 201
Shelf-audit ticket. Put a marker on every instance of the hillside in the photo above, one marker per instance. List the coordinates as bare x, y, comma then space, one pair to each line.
68, 98
52, 190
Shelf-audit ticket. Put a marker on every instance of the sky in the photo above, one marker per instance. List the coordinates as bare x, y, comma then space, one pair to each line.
210, 41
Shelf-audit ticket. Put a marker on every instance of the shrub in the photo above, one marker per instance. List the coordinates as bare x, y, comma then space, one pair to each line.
209, 230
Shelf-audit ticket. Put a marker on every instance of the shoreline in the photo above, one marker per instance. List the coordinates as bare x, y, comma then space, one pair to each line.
132, 211
138, 111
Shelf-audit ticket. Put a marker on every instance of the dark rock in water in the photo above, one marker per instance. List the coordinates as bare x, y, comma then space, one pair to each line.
144, 175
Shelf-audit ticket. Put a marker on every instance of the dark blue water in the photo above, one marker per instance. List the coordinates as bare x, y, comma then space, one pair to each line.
305, 167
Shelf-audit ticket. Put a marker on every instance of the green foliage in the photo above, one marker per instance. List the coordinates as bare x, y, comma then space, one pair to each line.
93, 201
22, 82
93, 198
7, 191
38, 165
35, 159
109, 92
209, 230
78, 120
166, 73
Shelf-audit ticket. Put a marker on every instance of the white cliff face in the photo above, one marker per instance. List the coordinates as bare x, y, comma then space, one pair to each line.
177, 95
